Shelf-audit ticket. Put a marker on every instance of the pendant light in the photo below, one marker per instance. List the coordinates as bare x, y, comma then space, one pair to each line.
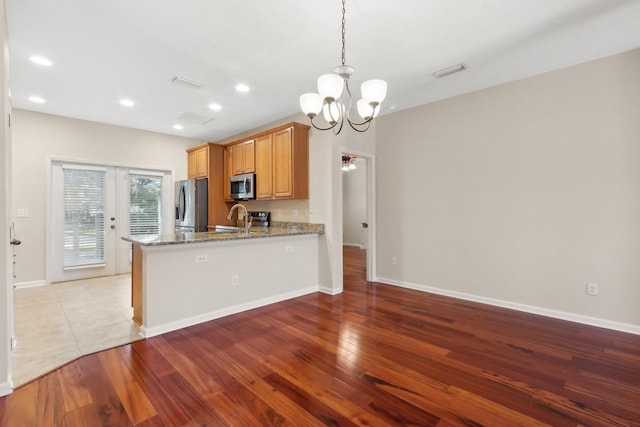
334, 97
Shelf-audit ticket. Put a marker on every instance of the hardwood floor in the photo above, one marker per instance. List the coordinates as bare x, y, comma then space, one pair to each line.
374, 355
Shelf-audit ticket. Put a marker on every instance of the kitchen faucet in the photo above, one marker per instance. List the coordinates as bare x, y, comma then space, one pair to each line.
247, 218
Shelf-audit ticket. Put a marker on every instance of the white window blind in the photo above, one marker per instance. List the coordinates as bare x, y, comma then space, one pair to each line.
84, 226
145, 213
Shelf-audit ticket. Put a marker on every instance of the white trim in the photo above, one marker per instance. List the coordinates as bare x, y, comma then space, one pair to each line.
370, 179
81, 167
205, 317
33, 284
80, 267
356, 245
6, 388
556, 314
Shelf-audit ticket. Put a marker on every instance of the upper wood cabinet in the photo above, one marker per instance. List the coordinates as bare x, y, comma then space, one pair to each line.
264, 167
244, 157
282, 163
198, 162
207, 161
278, 156
228, 172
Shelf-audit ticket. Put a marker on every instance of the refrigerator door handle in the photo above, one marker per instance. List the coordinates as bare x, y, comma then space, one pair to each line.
182, 202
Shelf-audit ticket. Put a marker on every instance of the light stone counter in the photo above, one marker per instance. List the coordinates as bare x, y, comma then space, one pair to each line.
278, 229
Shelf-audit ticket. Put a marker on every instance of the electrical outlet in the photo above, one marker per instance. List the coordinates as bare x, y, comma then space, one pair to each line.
592, 288
394, 261
201, 258
234, 280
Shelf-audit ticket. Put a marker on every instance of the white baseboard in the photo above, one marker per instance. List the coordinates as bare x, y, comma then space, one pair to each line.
556, 314
35, 283
330, 291
205, 317
6, 388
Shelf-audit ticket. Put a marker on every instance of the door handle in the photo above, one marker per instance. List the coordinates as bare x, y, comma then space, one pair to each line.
113, 226
15, 242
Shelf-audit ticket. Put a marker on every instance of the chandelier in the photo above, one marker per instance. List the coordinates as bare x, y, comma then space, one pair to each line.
334, 97
348, 163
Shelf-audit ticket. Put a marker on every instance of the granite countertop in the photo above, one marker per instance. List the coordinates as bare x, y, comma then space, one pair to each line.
277, 229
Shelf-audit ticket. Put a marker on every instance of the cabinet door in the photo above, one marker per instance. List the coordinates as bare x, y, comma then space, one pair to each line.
282, 164
238, 159
249, 156
264, 179
202, 163
191, 164
228, 171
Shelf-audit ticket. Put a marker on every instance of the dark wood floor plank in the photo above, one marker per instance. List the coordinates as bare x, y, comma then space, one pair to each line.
373, 355
126, 386
74, 391
149, 368
105, 400
49, 401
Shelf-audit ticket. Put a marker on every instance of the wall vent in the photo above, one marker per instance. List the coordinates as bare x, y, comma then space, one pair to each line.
450, 70
181, 81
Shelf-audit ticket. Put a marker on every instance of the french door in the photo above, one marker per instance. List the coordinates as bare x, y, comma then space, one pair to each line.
92, 207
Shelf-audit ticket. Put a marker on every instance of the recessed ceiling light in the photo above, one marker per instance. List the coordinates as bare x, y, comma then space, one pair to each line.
36, 99
127, 102
178, 127
41, 60
241, 87
215, 107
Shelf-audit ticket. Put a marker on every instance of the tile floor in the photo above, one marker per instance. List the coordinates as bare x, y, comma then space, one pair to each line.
58, 323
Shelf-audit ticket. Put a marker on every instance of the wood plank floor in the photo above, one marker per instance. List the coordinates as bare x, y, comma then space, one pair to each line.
374, 355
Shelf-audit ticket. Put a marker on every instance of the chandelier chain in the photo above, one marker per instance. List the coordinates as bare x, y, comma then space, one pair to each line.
343, 30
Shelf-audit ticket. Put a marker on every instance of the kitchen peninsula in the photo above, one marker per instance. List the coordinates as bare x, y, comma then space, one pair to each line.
182, 279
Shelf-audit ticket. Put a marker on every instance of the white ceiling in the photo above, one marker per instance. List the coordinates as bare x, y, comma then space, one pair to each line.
103, 51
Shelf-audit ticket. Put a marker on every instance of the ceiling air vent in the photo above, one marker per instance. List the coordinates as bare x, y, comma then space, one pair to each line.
450, 70
195, 118
181, 81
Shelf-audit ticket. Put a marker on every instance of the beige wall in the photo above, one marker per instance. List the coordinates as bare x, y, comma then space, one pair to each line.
520, 194
39, 137
6, 292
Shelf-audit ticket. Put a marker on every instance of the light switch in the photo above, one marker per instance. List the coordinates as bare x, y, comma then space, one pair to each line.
23, 213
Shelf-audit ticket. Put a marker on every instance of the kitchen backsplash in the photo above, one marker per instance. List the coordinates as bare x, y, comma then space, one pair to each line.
282, 210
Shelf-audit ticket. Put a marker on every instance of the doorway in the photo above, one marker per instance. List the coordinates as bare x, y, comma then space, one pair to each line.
91, 207
358, 213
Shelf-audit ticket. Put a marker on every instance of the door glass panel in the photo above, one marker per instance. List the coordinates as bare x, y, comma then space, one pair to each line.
84, 226
145, 205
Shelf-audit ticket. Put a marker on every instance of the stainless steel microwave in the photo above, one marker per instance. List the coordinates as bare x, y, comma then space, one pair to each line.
243, 187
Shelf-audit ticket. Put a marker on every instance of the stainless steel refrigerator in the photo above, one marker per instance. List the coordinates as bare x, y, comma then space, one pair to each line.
191, 205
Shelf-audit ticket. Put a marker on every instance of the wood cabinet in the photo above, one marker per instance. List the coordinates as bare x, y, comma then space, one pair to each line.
282, 163
264, 167
207, 161
279, 157
198, 163
228, 172
243, 157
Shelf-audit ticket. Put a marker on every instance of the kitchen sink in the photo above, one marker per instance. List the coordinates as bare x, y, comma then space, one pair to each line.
229, 229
